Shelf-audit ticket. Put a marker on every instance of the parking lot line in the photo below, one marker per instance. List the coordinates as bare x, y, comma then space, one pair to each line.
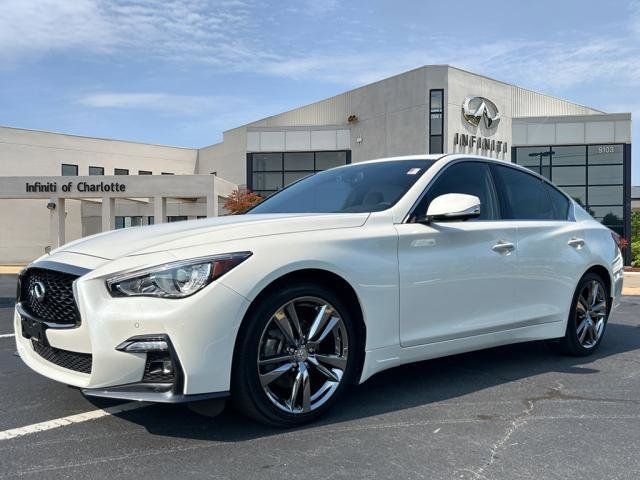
7, 335
71, 419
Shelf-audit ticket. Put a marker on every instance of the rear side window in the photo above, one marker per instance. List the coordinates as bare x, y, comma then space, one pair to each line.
472, 178
526, 197
559, 202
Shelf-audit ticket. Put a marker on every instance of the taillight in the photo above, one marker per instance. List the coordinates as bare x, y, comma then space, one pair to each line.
617, 239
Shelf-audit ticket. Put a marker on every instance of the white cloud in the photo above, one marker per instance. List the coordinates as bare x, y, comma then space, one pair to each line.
161, 102
233, 36
45, 25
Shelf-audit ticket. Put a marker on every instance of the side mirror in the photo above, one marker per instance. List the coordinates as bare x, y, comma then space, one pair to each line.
453, 207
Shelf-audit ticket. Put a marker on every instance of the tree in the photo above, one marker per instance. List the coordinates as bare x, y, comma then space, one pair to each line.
241, 200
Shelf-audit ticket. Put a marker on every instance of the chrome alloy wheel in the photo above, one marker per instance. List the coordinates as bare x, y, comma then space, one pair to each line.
591, 314
302, 354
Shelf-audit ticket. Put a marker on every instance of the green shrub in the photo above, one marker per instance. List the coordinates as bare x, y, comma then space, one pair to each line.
635, 252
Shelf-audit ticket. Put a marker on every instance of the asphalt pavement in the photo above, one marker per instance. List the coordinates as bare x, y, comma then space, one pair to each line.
517, 412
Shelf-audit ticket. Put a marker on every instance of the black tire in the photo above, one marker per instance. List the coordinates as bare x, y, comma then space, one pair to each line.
248, 394
571, 343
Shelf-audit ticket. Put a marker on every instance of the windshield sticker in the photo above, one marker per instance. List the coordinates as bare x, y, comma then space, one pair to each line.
413, 171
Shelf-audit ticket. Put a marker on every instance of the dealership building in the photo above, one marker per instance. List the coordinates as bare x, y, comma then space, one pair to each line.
432, 109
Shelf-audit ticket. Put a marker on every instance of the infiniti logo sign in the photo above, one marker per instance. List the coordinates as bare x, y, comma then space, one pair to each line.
474, 109
38, 291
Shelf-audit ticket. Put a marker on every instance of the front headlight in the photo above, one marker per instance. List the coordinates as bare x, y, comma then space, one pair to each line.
175, 279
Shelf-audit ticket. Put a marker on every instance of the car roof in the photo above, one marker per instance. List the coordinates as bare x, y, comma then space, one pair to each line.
405, 157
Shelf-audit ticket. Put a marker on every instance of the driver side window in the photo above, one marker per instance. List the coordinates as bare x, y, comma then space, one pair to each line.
471, 178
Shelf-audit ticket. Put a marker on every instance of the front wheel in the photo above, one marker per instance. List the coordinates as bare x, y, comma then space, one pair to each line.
588, 317
295, 356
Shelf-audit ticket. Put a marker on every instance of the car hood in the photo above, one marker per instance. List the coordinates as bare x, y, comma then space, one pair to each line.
168, 236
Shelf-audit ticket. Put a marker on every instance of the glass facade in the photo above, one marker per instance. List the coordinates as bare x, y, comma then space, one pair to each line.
591, 174
270, 172
126, 222
436, 121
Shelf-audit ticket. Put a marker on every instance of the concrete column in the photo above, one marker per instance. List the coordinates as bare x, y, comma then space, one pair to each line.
57, 222
159, 210
212, 205
108, 213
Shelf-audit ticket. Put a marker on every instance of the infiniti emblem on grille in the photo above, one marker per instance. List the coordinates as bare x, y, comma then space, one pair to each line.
38, 291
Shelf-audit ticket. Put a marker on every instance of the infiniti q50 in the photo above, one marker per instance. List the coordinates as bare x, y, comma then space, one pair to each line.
339, 276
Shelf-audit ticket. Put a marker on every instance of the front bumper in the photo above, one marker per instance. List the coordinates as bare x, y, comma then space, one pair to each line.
201, 329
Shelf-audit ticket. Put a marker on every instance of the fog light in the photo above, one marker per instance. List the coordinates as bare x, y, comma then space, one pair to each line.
143, 345
160, 367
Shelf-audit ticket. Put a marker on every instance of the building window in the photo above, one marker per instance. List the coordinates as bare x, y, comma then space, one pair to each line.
167, 173
96, 170
144, 172
436, 121
121, 171
176, 218
69, 170
593, 175
270, 172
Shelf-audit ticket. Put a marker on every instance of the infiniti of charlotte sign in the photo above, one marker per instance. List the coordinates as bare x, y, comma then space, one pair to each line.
52, 187
477, 111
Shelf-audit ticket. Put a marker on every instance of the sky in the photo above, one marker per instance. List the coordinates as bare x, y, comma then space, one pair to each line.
181, 72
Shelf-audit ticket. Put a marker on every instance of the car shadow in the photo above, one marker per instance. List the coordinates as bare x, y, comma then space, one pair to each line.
400, 388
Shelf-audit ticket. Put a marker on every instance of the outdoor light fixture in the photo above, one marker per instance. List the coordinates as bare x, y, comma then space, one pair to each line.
51, 205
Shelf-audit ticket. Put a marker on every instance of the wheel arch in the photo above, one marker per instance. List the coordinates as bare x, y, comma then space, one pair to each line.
602, 272
319, 276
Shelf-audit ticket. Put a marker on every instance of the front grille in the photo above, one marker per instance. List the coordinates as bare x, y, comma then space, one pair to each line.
154, 371
58, 304
79, 362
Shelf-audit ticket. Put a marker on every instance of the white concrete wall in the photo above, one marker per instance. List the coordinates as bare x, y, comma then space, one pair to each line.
572, 129
512, 102
28, 152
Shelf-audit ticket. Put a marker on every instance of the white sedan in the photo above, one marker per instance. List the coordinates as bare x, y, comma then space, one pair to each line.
341, 275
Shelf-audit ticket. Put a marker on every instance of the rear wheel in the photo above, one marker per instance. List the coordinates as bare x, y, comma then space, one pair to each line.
294, 358
588, 318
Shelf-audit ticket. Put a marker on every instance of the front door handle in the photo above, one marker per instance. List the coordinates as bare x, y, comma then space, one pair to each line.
576, 243
503, 247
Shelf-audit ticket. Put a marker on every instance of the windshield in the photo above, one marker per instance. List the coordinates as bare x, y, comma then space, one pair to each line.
368, 187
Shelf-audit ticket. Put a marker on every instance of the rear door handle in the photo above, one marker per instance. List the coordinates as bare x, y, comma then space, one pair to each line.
503, 247
576, 242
